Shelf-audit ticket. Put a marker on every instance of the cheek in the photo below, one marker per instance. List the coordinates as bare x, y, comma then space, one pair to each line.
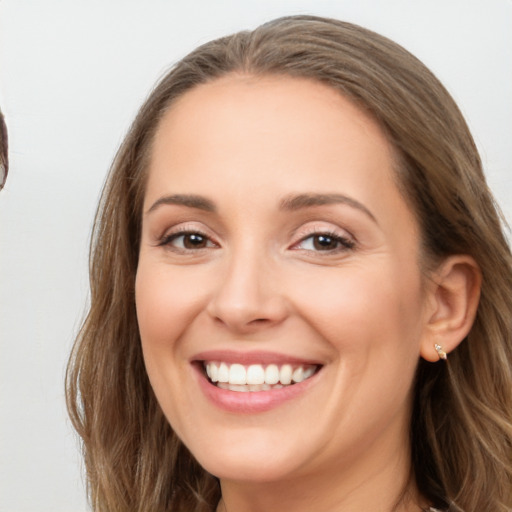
166, 304
376, 307
372, 319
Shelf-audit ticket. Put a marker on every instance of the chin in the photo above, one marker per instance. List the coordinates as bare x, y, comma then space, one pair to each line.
253, 460
248, 470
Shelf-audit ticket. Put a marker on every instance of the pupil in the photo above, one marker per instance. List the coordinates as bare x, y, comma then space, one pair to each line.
323, 242
194, 241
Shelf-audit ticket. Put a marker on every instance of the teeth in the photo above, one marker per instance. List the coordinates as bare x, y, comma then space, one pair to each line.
256, 377
256, 374
233, 387
285, 375
308, 372
272, 374
212, 370
250, 387
237, 374
298, 374
223, 373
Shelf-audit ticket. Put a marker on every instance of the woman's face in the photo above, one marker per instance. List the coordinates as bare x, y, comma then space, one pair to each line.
276, 246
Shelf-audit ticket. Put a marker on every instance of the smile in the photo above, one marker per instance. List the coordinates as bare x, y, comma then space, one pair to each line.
256, 377
256, 381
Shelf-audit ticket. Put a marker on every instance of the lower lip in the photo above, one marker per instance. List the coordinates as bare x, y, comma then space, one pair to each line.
252, 401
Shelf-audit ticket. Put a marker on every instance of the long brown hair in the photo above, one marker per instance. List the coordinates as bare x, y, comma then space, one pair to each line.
461, 429
4, 153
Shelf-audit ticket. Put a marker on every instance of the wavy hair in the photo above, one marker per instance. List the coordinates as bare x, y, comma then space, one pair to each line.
461, 425
4, 153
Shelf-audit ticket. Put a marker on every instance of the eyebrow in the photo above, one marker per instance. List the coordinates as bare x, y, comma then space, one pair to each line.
191, 201
298, 202
290, 203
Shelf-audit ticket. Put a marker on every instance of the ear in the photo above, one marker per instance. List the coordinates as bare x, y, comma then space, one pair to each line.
454, 293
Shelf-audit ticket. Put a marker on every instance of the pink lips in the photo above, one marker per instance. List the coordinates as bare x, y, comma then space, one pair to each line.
250, 402
254, 357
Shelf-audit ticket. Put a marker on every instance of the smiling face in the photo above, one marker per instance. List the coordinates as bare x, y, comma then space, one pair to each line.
278, 256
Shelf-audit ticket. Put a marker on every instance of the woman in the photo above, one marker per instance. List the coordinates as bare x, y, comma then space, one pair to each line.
300, 290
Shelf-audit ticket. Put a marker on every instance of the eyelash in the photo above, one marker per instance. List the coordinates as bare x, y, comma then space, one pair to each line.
342, 243
168, 239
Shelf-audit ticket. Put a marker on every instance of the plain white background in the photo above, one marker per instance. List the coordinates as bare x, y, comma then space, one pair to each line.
72, 75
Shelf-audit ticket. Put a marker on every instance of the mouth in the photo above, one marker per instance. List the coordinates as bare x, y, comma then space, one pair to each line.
256, 377
254, 381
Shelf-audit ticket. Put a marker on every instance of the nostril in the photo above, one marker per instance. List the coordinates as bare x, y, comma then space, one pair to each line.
245, 308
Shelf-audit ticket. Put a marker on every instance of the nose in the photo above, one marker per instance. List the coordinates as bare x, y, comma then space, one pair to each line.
248, 297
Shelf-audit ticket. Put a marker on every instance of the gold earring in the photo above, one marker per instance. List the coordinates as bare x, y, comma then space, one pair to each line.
440, 352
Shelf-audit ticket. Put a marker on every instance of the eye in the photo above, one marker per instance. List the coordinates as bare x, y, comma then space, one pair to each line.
187, 240
326, 242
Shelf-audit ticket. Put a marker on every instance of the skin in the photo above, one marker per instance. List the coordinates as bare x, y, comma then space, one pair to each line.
362, 310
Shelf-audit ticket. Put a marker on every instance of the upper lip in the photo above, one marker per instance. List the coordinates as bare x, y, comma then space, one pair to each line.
252, 357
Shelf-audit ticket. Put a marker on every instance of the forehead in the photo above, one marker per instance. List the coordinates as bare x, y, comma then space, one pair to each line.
246, 122
257, 101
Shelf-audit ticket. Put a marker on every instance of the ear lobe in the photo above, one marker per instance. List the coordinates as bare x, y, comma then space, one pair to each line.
455, 292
